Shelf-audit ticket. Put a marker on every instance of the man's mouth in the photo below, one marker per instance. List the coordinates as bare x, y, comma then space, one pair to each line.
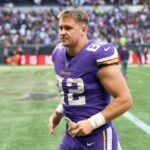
63, 38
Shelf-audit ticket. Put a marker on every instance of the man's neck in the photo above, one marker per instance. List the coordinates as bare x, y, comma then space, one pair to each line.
73, 50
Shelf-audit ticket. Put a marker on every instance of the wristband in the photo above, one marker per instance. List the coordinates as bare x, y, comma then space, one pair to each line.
97, 120
60, 108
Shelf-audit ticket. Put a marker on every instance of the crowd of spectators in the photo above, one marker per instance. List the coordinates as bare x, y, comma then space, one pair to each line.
102, 2
72, 2
18, 27
40, 27
112, 25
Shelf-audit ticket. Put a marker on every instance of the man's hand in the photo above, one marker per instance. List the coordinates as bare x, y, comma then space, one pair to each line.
54, 121
81, 128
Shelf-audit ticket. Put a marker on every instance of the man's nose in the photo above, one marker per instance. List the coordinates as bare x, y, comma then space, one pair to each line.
63, 31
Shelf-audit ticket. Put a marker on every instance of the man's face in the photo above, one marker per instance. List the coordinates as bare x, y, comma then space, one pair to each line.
70, 31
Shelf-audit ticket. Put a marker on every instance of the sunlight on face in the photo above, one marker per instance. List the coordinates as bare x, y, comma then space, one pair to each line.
70, 31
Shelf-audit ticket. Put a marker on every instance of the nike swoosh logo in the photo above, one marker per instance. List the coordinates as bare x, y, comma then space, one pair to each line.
89, 144
106, 49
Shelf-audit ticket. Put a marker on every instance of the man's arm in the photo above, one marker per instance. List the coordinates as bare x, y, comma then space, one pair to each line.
55, 118
114, 83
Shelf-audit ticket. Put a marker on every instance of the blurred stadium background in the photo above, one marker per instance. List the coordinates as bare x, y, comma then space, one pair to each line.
28, 94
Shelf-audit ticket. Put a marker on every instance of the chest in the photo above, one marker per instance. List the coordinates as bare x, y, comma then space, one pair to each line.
78, 67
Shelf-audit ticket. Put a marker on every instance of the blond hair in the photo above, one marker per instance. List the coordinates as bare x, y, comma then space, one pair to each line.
77, 14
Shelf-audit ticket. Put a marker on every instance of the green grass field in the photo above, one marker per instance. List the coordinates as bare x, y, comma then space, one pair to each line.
28, 96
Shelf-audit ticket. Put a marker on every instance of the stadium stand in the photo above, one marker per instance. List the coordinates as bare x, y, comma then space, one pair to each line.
23, 23
71, 2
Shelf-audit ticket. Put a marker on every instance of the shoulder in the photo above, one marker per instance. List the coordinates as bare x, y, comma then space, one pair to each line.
57, 50
103, 52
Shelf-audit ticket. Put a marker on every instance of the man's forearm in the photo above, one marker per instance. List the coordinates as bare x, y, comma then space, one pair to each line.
116, 108
60, 108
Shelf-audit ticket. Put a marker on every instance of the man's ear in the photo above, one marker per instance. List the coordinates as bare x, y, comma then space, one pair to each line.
84, 29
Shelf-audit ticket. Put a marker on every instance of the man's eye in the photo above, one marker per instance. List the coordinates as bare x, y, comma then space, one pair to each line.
68, 28
65, 28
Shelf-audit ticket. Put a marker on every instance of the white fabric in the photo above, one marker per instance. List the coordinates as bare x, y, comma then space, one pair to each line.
97, 120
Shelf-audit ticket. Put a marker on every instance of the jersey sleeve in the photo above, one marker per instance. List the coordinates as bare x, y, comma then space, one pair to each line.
105, 55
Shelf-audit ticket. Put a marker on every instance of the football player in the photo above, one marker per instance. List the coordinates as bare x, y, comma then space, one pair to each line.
87, 78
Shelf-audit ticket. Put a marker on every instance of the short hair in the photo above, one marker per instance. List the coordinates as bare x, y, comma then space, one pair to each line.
77, 14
